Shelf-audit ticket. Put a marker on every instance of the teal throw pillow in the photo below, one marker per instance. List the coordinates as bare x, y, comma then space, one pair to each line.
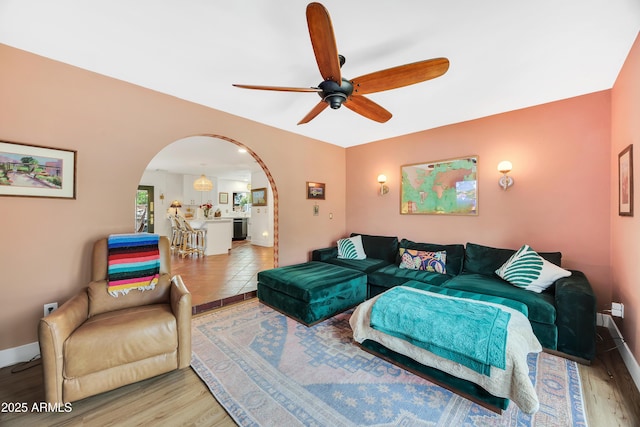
528, 270
351, 248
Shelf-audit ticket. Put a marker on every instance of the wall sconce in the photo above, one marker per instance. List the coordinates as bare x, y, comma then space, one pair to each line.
383, 188
162, 198
504, 167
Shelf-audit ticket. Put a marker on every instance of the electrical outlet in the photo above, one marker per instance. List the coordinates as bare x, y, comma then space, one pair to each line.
617, 309
50, 308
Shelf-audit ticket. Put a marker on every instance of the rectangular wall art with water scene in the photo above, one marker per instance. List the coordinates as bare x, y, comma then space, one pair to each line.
35, 171
316, 190
444, 187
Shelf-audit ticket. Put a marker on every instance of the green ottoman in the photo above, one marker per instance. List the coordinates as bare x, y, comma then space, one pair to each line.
313, 291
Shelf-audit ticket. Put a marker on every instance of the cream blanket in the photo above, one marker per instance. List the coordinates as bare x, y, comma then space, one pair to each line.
512, 382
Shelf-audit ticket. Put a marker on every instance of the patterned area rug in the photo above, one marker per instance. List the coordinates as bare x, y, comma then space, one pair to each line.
266, 369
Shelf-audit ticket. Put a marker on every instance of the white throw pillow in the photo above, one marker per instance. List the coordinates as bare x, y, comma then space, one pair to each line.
351, 248
528, 270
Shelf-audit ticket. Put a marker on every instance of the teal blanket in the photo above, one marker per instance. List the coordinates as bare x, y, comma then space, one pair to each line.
464, 331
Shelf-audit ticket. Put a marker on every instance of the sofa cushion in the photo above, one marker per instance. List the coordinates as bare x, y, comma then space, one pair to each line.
486, 260
413, 259
351, 248
394, 275
516, 305
455, 253
366, 265
120, 337
380, 247
541, 306
100, 301
312, 281
324, 254
528, 270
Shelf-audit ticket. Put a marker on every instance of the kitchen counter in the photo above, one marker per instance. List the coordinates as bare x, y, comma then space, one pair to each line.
219, 234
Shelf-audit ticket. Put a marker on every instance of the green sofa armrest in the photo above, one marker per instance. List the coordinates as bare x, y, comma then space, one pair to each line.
324, 254
576, 316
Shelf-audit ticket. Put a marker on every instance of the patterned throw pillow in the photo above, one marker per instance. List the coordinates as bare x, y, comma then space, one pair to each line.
435, 262
528, 270
351, 248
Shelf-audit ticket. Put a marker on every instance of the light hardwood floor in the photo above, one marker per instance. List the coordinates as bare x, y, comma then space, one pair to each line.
611, 397
180, 398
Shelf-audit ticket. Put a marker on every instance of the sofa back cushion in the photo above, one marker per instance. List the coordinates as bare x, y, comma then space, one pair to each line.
380, 247
486, 259
455, 253
100, 301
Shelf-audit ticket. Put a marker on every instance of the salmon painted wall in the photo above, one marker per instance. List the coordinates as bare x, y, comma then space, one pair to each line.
560, 199
625, 231
116, 129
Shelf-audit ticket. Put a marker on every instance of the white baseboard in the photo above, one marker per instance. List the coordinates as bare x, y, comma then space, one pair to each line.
14, 355
630, 362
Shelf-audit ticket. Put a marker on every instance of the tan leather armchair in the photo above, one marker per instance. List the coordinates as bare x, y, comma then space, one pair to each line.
96, 342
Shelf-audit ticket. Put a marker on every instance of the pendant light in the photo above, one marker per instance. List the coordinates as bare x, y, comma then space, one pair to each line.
203, 184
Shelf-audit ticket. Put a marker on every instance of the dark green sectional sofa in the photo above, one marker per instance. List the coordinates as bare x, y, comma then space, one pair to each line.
563, 317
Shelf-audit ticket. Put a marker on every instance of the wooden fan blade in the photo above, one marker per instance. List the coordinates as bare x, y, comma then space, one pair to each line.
280, 88
367, 108
319, 108
403, 75
324, 42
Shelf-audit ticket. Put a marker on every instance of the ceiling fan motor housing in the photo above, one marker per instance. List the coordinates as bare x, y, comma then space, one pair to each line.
335, 94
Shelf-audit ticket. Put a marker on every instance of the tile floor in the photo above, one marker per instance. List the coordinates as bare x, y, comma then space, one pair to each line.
218, 280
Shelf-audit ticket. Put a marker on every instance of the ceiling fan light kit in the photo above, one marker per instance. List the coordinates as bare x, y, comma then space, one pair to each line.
336, 91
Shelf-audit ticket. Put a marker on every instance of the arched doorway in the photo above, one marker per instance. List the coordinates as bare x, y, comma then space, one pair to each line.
172, 172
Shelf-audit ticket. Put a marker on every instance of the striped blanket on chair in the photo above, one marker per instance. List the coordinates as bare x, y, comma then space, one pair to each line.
134, 262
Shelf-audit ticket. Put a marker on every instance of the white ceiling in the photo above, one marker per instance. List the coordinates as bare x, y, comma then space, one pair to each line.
504, 54
213, 157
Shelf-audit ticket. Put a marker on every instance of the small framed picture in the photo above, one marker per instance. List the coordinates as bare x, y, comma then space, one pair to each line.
625, 182
34, 171
315, 190
223, 198
259, 197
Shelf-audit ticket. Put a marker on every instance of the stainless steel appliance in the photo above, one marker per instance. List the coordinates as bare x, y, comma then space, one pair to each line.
239, 228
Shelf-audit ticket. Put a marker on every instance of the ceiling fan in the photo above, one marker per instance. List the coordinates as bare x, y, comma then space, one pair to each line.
336, 91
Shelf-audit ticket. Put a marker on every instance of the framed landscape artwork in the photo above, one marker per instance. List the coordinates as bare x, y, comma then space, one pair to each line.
625, 182
443, 187
315, 190
35, 171
259, 197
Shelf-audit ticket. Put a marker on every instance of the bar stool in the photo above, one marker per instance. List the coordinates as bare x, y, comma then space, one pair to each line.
176, 234
193, 241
